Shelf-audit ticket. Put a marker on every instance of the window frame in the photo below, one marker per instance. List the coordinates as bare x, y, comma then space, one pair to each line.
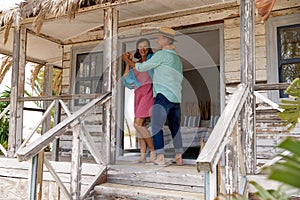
75, 51
272, 49
283, 61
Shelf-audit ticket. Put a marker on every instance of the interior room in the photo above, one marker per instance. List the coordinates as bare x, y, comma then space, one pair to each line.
199, 51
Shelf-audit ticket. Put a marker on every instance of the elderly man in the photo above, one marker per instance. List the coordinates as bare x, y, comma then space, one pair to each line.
167, 86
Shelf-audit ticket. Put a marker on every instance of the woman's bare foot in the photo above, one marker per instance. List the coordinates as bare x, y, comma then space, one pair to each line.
142, 158
152, 156
178, 159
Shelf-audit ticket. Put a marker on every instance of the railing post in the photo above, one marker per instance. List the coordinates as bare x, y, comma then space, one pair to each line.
231, 163
55, 144
76, 164
211, 182
32, 182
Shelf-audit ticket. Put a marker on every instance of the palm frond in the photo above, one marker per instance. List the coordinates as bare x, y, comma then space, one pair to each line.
5, 66
7, 18
34, 75
57, 82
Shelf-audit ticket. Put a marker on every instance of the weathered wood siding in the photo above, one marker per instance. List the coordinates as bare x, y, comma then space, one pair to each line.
232, 43
232, 51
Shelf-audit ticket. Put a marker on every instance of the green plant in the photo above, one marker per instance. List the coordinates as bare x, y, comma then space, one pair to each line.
288, 170
4, 121
291, 112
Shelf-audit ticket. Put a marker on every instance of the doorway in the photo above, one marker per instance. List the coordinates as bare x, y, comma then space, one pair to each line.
201, 52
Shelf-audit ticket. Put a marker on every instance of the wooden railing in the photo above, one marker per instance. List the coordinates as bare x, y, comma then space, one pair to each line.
225, 138
72, 122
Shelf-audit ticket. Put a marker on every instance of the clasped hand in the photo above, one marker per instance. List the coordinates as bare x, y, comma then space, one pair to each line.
127, 57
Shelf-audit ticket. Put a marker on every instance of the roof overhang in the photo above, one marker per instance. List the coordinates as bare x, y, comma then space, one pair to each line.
56, 32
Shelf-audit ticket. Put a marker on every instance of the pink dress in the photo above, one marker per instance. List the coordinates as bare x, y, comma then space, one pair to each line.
143, 95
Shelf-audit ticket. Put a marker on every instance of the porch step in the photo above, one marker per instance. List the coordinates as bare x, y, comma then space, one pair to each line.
146, 181
111, 191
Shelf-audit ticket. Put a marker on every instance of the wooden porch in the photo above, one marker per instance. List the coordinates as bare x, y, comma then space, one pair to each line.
125, 180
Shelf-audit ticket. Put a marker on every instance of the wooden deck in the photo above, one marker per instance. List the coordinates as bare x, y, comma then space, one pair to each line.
126, 180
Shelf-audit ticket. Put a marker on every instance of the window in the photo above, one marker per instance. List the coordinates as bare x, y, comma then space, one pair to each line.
88, 78
288, 54
282, 51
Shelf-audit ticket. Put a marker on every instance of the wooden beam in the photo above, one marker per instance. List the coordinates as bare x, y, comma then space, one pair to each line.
271, 86
57, 179
268, 101
30, 59
12, 139
36, 126
51, 98
46, 37
88, 141
247, 46
102, 171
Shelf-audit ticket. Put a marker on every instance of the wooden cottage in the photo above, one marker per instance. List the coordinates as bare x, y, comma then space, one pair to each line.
237, 56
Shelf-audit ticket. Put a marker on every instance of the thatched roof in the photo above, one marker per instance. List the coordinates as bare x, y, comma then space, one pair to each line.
41, 8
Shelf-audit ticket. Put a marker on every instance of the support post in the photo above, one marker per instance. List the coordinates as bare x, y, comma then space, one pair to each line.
76, 164
248, 77
114, 79
109, 81
21, 87
211, 189
12, 140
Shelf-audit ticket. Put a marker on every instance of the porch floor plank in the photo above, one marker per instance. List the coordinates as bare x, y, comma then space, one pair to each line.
118, 191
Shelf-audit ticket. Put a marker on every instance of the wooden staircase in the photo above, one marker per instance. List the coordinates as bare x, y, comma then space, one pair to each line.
127, 180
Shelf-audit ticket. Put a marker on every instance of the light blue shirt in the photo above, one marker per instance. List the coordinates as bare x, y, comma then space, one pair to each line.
167, 76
